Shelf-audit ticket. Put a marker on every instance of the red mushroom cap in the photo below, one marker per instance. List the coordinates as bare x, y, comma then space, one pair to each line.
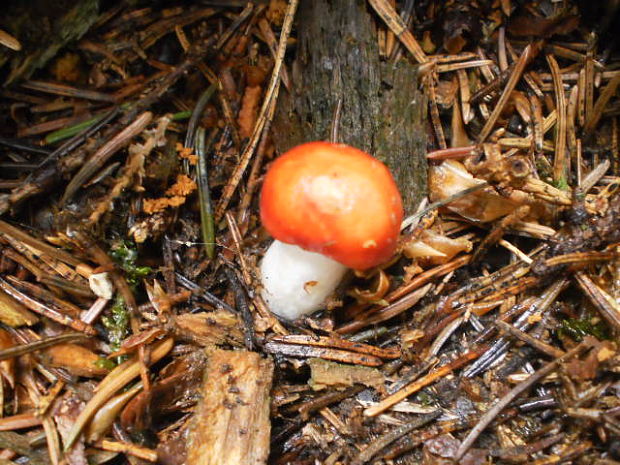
335, 200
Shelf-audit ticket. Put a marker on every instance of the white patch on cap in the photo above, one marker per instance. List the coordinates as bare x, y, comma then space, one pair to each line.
329, 195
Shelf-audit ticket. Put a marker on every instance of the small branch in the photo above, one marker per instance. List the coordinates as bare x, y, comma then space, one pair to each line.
395, 398
270, 100
520, 388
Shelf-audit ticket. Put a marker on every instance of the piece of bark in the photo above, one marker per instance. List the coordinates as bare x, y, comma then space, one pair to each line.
231, 424
382, 110
210, 328
43, 28
324, 374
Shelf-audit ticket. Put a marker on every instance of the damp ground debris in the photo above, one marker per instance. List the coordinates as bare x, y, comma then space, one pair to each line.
133, 140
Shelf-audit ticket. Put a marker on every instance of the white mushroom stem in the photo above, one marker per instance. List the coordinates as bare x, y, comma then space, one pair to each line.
297, 282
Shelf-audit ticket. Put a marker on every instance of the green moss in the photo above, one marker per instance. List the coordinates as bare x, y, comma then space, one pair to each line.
425, 399
579, 328
116, 323
561, 184
105, 363
125, 254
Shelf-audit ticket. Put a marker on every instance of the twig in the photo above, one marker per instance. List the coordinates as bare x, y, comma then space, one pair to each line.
440, 372
604, 303
6, 228
105, 152
210, 298
127, 448
326, 353
241, 301
322, 341
19, 421
531, 340
374, 447
527, 55
46, 311
67, 91
601, 102
560, 168
520, 388
269, 100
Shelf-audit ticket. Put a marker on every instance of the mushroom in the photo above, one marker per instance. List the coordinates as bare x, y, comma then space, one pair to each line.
329, 207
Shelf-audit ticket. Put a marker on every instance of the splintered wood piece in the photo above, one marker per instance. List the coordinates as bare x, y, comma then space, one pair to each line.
318, 341
231, 424
326, 353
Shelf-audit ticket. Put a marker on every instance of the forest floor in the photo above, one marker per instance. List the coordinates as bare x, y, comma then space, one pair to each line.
133, 143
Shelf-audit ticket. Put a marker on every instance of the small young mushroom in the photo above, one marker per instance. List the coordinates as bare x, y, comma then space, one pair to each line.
329, 207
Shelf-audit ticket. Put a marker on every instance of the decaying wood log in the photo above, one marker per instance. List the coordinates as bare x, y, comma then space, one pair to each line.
42, 29
337, 64
231, 423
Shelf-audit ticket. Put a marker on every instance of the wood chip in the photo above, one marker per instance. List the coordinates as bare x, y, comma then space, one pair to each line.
324, 374
232, 423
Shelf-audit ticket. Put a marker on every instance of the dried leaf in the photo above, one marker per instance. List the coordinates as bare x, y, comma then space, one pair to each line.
114, 381
107, 414
451, 177
14, 314
76, 359
444, 247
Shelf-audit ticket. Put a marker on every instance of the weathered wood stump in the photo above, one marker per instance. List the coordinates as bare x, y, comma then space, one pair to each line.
382, 110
